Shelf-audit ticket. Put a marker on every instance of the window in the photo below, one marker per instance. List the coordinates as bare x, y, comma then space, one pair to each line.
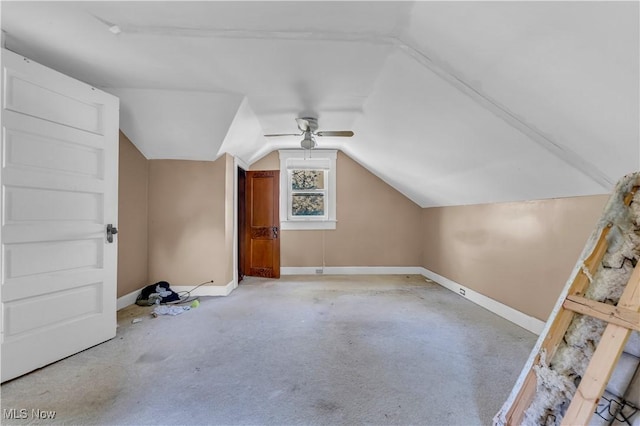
308, 193
307, 189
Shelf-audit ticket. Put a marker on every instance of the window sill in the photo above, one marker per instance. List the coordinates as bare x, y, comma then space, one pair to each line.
307, 224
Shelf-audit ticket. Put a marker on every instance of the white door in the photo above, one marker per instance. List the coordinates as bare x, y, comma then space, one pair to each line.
59, 191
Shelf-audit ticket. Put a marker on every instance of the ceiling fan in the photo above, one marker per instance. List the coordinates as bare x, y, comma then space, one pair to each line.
309, 128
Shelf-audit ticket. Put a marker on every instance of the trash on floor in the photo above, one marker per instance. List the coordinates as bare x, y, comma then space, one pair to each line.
170, 310
156, 294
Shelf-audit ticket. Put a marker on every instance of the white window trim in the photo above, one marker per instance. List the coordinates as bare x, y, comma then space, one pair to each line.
289, 156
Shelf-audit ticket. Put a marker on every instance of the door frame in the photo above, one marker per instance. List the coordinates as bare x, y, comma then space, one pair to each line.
237, 163
241, 206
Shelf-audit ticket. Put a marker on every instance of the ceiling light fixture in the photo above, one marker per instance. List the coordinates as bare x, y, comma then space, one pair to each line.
308, 142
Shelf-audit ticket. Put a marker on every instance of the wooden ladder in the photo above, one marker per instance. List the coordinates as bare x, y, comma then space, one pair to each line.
621, 319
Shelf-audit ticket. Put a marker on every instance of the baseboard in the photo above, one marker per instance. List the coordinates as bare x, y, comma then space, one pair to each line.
205, 290
127, 299
351, 270
523, 320
208, 290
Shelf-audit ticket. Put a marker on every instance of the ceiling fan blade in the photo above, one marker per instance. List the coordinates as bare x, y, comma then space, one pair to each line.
283, 134
341, 133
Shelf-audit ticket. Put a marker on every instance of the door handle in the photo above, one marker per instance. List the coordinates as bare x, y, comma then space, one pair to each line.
275, 232
111, 231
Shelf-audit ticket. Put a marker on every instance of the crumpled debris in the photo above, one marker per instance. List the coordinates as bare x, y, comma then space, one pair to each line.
170, 309
156, 294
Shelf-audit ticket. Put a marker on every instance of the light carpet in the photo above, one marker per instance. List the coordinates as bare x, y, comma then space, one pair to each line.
320, 350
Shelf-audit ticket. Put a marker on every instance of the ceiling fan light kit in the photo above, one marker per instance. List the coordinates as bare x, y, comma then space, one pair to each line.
309, 128
308, 142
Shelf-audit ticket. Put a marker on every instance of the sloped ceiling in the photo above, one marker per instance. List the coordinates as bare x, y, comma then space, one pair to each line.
452, 102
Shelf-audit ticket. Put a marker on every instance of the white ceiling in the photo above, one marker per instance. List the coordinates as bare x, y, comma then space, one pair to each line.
452, 102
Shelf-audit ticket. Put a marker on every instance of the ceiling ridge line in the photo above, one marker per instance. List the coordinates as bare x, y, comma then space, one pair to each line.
558, 150
258, 34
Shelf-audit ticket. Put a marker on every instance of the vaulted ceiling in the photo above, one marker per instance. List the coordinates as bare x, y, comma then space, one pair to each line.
451, 102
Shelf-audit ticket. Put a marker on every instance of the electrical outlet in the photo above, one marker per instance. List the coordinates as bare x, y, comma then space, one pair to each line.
462, 291
319, 271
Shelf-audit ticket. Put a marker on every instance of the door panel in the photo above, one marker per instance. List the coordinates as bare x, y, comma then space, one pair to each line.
29, 205
24, 94
25, 259
262, 213
23, 149
81, 302
262, 253
263, 224
59, 190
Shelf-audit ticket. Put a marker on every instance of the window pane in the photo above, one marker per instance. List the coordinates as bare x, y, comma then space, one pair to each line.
307, 205
307, 179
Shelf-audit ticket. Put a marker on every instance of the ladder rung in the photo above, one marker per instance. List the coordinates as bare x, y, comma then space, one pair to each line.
604, 359
612, 314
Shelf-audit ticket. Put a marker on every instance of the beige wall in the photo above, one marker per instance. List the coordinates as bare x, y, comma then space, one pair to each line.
189, 224
133, 170
268, 162
176, 223
377, 226
520, 254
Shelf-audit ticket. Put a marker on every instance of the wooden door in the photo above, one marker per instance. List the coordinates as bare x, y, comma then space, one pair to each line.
263, 224
59, 184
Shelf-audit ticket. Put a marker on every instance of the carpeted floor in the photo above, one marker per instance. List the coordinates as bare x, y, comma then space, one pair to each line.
296, 351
